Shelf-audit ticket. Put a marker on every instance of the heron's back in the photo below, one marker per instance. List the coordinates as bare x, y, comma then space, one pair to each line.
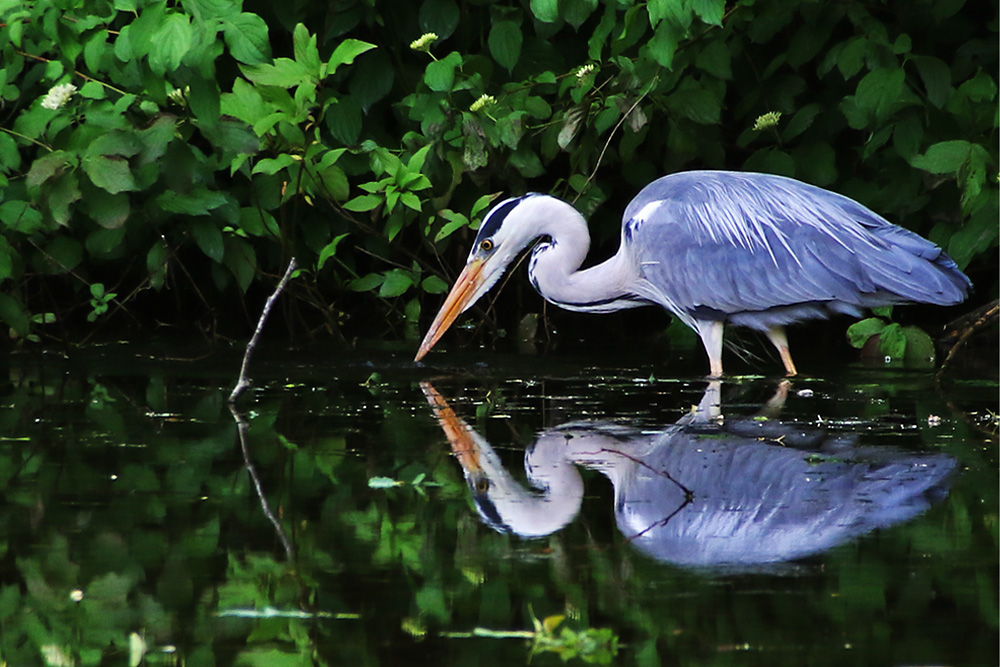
764, 250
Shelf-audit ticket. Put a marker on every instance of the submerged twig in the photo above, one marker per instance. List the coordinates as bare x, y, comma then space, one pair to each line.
244, 382
241, 426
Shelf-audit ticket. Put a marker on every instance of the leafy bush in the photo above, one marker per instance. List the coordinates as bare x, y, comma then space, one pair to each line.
178, 154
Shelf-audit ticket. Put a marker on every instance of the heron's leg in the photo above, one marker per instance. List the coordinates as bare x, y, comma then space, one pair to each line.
711, 338
777, 337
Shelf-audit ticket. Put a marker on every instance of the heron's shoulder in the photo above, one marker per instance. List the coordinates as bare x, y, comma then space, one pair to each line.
743, 208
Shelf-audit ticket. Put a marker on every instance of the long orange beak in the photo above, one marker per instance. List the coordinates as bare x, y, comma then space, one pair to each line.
460, 296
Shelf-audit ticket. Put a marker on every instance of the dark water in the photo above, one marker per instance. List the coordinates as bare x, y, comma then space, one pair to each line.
384, 513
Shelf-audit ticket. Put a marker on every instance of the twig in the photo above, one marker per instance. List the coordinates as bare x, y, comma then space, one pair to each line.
241, 427
243, 383
966, 326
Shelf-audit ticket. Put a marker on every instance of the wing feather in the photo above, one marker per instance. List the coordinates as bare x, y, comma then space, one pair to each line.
714, 245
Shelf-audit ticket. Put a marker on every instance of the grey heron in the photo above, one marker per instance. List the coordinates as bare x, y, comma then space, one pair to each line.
713, 248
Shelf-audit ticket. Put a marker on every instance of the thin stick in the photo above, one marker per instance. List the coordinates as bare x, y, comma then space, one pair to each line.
243, 383
241, 426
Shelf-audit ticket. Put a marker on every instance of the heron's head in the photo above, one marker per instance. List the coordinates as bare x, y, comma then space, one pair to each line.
506, 230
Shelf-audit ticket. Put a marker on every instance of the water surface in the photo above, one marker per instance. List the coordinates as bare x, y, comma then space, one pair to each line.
490, 509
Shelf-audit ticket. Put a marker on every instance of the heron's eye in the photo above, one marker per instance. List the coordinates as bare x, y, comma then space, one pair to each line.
486, 245
482, 485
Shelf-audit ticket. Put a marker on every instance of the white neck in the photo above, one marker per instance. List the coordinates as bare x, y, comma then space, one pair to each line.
554, 267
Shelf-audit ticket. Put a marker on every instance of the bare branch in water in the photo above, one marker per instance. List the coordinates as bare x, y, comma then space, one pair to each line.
244, 382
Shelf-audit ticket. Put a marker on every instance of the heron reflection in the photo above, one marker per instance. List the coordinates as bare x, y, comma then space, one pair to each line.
707, 491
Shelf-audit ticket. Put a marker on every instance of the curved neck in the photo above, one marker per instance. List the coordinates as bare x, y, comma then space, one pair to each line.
555, 263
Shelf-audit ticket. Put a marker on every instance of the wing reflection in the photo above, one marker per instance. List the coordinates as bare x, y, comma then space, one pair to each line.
705, 491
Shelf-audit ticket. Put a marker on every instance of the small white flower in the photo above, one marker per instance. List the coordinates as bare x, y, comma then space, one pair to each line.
483, 102
58, 96
423, 43
770, 119
76, 595
179, 96
585, 71
933, 420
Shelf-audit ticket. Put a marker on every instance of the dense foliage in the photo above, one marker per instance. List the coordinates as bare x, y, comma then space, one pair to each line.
161, 161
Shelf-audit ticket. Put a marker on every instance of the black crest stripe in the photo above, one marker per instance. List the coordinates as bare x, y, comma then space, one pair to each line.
495, 218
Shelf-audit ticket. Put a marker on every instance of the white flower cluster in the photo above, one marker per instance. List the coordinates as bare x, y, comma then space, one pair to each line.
58, 96
770, 119
423, 43
483, 102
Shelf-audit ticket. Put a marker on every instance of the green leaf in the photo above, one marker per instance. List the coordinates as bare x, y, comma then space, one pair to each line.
14, 315
893, 341
364, 203
664, 43
879, 90
246, 37
440, 74
505, 43
329, 250
170, 43
372, 78
434, 285
61, 255
10, 157
852, 57
801, 121
816, 163
715, 59
395, 284
7, 255
696, 103
936, 76
366, 283
20, 216
106, 243
46, 167
284, 73
709, 11
306, 53
439, 17
344, 120
906, 137
240, 258
335, 182
61, 194
346, 52
198, 202
109, 173
156, 264
117, 143
945, 157
859, 332
920, 351
207, 235
272, 166
546, 11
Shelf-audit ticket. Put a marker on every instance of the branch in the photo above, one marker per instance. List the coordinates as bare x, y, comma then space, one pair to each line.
244, 382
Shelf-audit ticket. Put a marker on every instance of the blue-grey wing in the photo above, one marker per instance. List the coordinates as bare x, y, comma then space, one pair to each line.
731, 245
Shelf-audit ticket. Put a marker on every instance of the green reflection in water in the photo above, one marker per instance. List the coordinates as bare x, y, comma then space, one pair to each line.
131, 530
